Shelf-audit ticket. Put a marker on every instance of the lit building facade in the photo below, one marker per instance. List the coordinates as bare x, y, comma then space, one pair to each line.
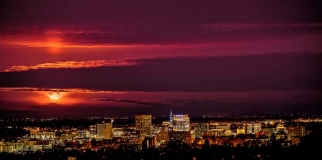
280, 127
104, 131
7, 148
224, 127
295, 131
218, 129
268, 131
143, 125
253, 128
240, 130
118, 132
162, 136
171, 119
12, 147
42, 135
181, 122
200, 129
269, 128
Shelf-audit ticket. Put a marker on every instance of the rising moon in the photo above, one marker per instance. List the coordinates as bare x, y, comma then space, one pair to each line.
55, 95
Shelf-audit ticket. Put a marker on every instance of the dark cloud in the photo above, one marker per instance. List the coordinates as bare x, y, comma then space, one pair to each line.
163, 22
32, 110
192, 101
158, 35
167, 102
298, 97
228, 73
131, 101
145, 12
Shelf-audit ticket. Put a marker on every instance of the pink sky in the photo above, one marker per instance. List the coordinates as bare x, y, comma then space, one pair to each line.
245, 54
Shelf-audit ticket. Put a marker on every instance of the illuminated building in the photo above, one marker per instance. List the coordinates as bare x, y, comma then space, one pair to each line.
268, 128
162, 133
280, 132
280, 135
42, 135
171, 118
234, 127
69, 136
143, 125
1, 146
10, 147
280, 127
181, 135
7, 148
241, 130
200, 129
104, 131
228, 133
295, 131
118, 132
220, 129
82, 134
268, 131
71, 158
148, 142
181, 122
210, 130
296, 140
162, 136
209, 134
252, 128
224, 127
165, 125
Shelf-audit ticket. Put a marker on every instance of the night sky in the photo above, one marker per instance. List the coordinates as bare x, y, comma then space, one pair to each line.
147, 57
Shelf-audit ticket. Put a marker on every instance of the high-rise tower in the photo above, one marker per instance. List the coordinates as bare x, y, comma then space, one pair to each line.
171, 118
104, 131
143, 125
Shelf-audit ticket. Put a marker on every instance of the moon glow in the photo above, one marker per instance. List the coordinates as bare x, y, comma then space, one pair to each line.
55, 95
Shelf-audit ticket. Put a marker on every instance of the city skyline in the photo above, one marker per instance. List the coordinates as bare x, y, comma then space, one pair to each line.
79, 58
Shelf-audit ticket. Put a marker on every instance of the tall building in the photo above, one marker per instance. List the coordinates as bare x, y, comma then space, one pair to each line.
295, 131
104, 130
280, 132
171, 118
143, 125
181, 122
253, 128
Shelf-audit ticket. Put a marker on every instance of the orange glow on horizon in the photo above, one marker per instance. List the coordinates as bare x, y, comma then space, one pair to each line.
54, 45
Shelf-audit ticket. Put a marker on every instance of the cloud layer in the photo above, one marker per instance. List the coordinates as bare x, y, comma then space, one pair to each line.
119, 23
227, 73
158, 35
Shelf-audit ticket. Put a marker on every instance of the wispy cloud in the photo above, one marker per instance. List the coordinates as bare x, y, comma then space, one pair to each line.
72, 64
